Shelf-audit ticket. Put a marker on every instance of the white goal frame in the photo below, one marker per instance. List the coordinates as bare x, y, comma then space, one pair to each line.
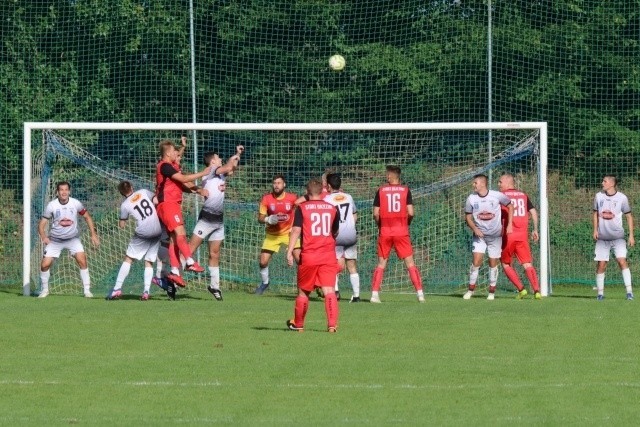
542, 185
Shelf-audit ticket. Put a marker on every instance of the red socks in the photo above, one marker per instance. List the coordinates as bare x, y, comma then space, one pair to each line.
183, 246
512, 275
331, 308
533, 278
300, 310
376, 280
414, 275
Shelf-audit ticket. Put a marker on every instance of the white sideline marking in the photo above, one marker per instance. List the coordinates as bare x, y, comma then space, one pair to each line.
333, 386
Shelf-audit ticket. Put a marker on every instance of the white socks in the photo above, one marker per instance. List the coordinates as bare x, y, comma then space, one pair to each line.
355, 284
215, 277
86, 281
44, 280
125, 268
264, 275
473, 274
600, 283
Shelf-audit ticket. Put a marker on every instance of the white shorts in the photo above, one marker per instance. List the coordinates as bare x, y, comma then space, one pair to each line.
603, 249
140, 247
204, 228
54, 249
490, 244
347, 252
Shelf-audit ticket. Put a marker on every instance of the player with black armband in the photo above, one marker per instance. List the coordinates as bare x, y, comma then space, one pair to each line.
210, 223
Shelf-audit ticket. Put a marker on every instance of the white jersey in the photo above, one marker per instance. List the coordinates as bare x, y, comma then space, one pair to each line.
139, 205
347, 208
213, 206
486, 211
610, 210
64, 224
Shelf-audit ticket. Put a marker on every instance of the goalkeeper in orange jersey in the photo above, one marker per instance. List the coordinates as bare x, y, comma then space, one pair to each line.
276, 212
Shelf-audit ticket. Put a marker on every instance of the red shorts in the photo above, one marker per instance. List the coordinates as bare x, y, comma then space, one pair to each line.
402, 245
313, 276
519, 248
170, 214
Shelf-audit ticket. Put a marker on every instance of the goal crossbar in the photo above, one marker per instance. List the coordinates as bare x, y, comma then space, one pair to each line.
29, 127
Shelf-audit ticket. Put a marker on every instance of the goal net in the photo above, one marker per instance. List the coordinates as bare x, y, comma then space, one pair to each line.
438, 162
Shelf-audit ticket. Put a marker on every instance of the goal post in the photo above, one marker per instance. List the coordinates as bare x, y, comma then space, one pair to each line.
439, 158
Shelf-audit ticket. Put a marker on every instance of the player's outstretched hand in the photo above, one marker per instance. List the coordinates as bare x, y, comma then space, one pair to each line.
271, 219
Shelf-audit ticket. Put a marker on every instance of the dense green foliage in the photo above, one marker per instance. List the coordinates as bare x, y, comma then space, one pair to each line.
572, 63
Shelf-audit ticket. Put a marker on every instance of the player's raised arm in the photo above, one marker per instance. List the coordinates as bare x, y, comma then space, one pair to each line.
183, 145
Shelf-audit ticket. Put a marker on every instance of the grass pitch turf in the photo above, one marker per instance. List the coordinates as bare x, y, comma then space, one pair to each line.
565, 360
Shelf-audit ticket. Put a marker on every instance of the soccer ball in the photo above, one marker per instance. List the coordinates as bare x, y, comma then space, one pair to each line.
337, 62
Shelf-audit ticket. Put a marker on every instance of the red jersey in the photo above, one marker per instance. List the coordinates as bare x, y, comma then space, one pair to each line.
283, 206
319, 221
520, 222
168, 190
393, 201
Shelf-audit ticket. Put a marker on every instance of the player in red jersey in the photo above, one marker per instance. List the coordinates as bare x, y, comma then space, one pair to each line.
517, 242
276, 212
316, 223
170, 183
393, 212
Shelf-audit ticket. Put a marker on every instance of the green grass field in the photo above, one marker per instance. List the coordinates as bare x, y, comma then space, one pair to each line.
565, 360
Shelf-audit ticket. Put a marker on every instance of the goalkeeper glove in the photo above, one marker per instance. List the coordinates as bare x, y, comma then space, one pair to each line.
271, 219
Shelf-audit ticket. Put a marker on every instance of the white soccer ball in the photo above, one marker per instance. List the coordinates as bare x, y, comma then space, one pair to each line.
337, 63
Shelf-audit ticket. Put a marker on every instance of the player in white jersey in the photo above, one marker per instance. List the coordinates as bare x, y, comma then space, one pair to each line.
146, 239
483, 216
63, 213
609, 206
210, 223
346, 242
